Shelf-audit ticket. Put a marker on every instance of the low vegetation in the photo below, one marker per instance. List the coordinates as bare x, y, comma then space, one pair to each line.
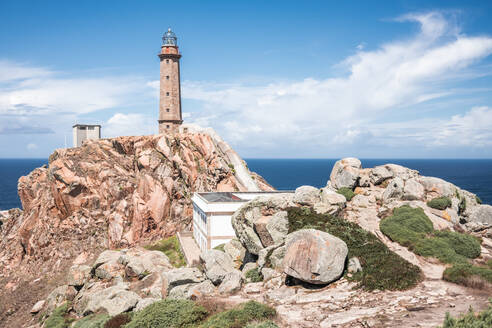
240, 316
382, 268
220, 247
478, 200
170, 247
118, 320
59, 318
347, 192
92, 321
188, 314
168, 313
440, 203
470, 319
411, 228
254, 275
265, 324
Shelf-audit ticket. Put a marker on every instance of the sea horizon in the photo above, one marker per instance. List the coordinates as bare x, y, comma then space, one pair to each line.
474, 175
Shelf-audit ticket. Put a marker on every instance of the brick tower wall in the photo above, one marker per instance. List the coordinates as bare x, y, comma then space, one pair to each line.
170, 92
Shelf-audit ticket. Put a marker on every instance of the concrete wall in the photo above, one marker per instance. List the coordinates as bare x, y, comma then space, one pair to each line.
84, 132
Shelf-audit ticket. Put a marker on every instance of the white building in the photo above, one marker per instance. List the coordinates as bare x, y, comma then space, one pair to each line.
83, 132
212, 213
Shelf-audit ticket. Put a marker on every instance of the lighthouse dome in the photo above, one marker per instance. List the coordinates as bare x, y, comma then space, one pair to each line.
169, 38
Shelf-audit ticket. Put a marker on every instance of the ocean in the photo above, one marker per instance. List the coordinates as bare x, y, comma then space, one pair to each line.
287, 174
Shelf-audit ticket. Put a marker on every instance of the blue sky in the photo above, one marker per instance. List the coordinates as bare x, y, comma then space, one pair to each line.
313, 79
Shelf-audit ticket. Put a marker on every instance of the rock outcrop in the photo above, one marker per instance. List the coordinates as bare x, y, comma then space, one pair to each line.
314, 256
114, 193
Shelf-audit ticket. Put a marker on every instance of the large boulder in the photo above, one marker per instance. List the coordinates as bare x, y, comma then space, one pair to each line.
138, 262
331, 202
481, 214
236, 251
217, 265
345, 173
231, 283
178, 277
402, 172
59, 295
314, 256
394, 189
413, 190
78, 275
306, 195
379, 174
437, 187
113, 300
262, 222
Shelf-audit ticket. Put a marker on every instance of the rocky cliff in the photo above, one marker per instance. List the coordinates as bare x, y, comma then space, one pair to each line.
115, 193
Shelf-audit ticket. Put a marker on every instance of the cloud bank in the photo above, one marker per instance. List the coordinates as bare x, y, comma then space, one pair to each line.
403, 98
316, 117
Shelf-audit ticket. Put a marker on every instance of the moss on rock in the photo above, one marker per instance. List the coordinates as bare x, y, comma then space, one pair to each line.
170, 246
347, 192
440, 203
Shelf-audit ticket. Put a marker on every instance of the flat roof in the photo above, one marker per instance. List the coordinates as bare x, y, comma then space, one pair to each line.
86, 125
234, 196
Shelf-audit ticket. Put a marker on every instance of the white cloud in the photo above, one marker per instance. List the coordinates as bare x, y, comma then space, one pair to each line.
31, 146
319, 114
129, 125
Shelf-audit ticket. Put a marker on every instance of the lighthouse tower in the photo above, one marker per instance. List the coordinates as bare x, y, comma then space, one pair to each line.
170, 89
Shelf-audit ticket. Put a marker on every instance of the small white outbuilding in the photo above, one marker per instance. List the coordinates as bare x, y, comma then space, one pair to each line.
212, 213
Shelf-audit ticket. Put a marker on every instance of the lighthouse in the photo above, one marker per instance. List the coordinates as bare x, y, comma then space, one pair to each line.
170, 116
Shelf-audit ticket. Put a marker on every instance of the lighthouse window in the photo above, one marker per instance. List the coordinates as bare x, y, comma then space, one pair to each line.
167, 93
167, 110
167, 126
167, 61
167, 77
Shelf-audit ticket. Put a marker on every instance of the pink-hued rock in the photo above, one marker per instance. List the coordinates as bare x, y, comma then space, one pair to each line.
116, 193
314, 256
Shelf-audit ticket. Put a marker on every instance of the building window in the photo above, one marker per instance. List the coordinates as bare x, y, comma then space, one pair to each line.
167, 110
167, 126
167, 93
167, 77
83, 128
167, 61
91, 128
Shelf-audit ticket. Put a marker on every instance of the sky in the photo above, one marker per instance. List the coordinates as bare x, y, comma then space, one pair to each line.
276, 79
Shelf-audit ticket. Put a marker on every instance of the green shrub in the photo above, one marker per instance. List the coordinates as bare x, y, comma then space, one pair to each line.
168, 314
468, 275
92, 321
254, 275
479, 201
58, 319
264, 324
448, 246
462, 206
220, 247
407, 225
438, 248
382, 268
470, 319
440, 203
463, 244
170, 247
240, 316
347, 192
118, 320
